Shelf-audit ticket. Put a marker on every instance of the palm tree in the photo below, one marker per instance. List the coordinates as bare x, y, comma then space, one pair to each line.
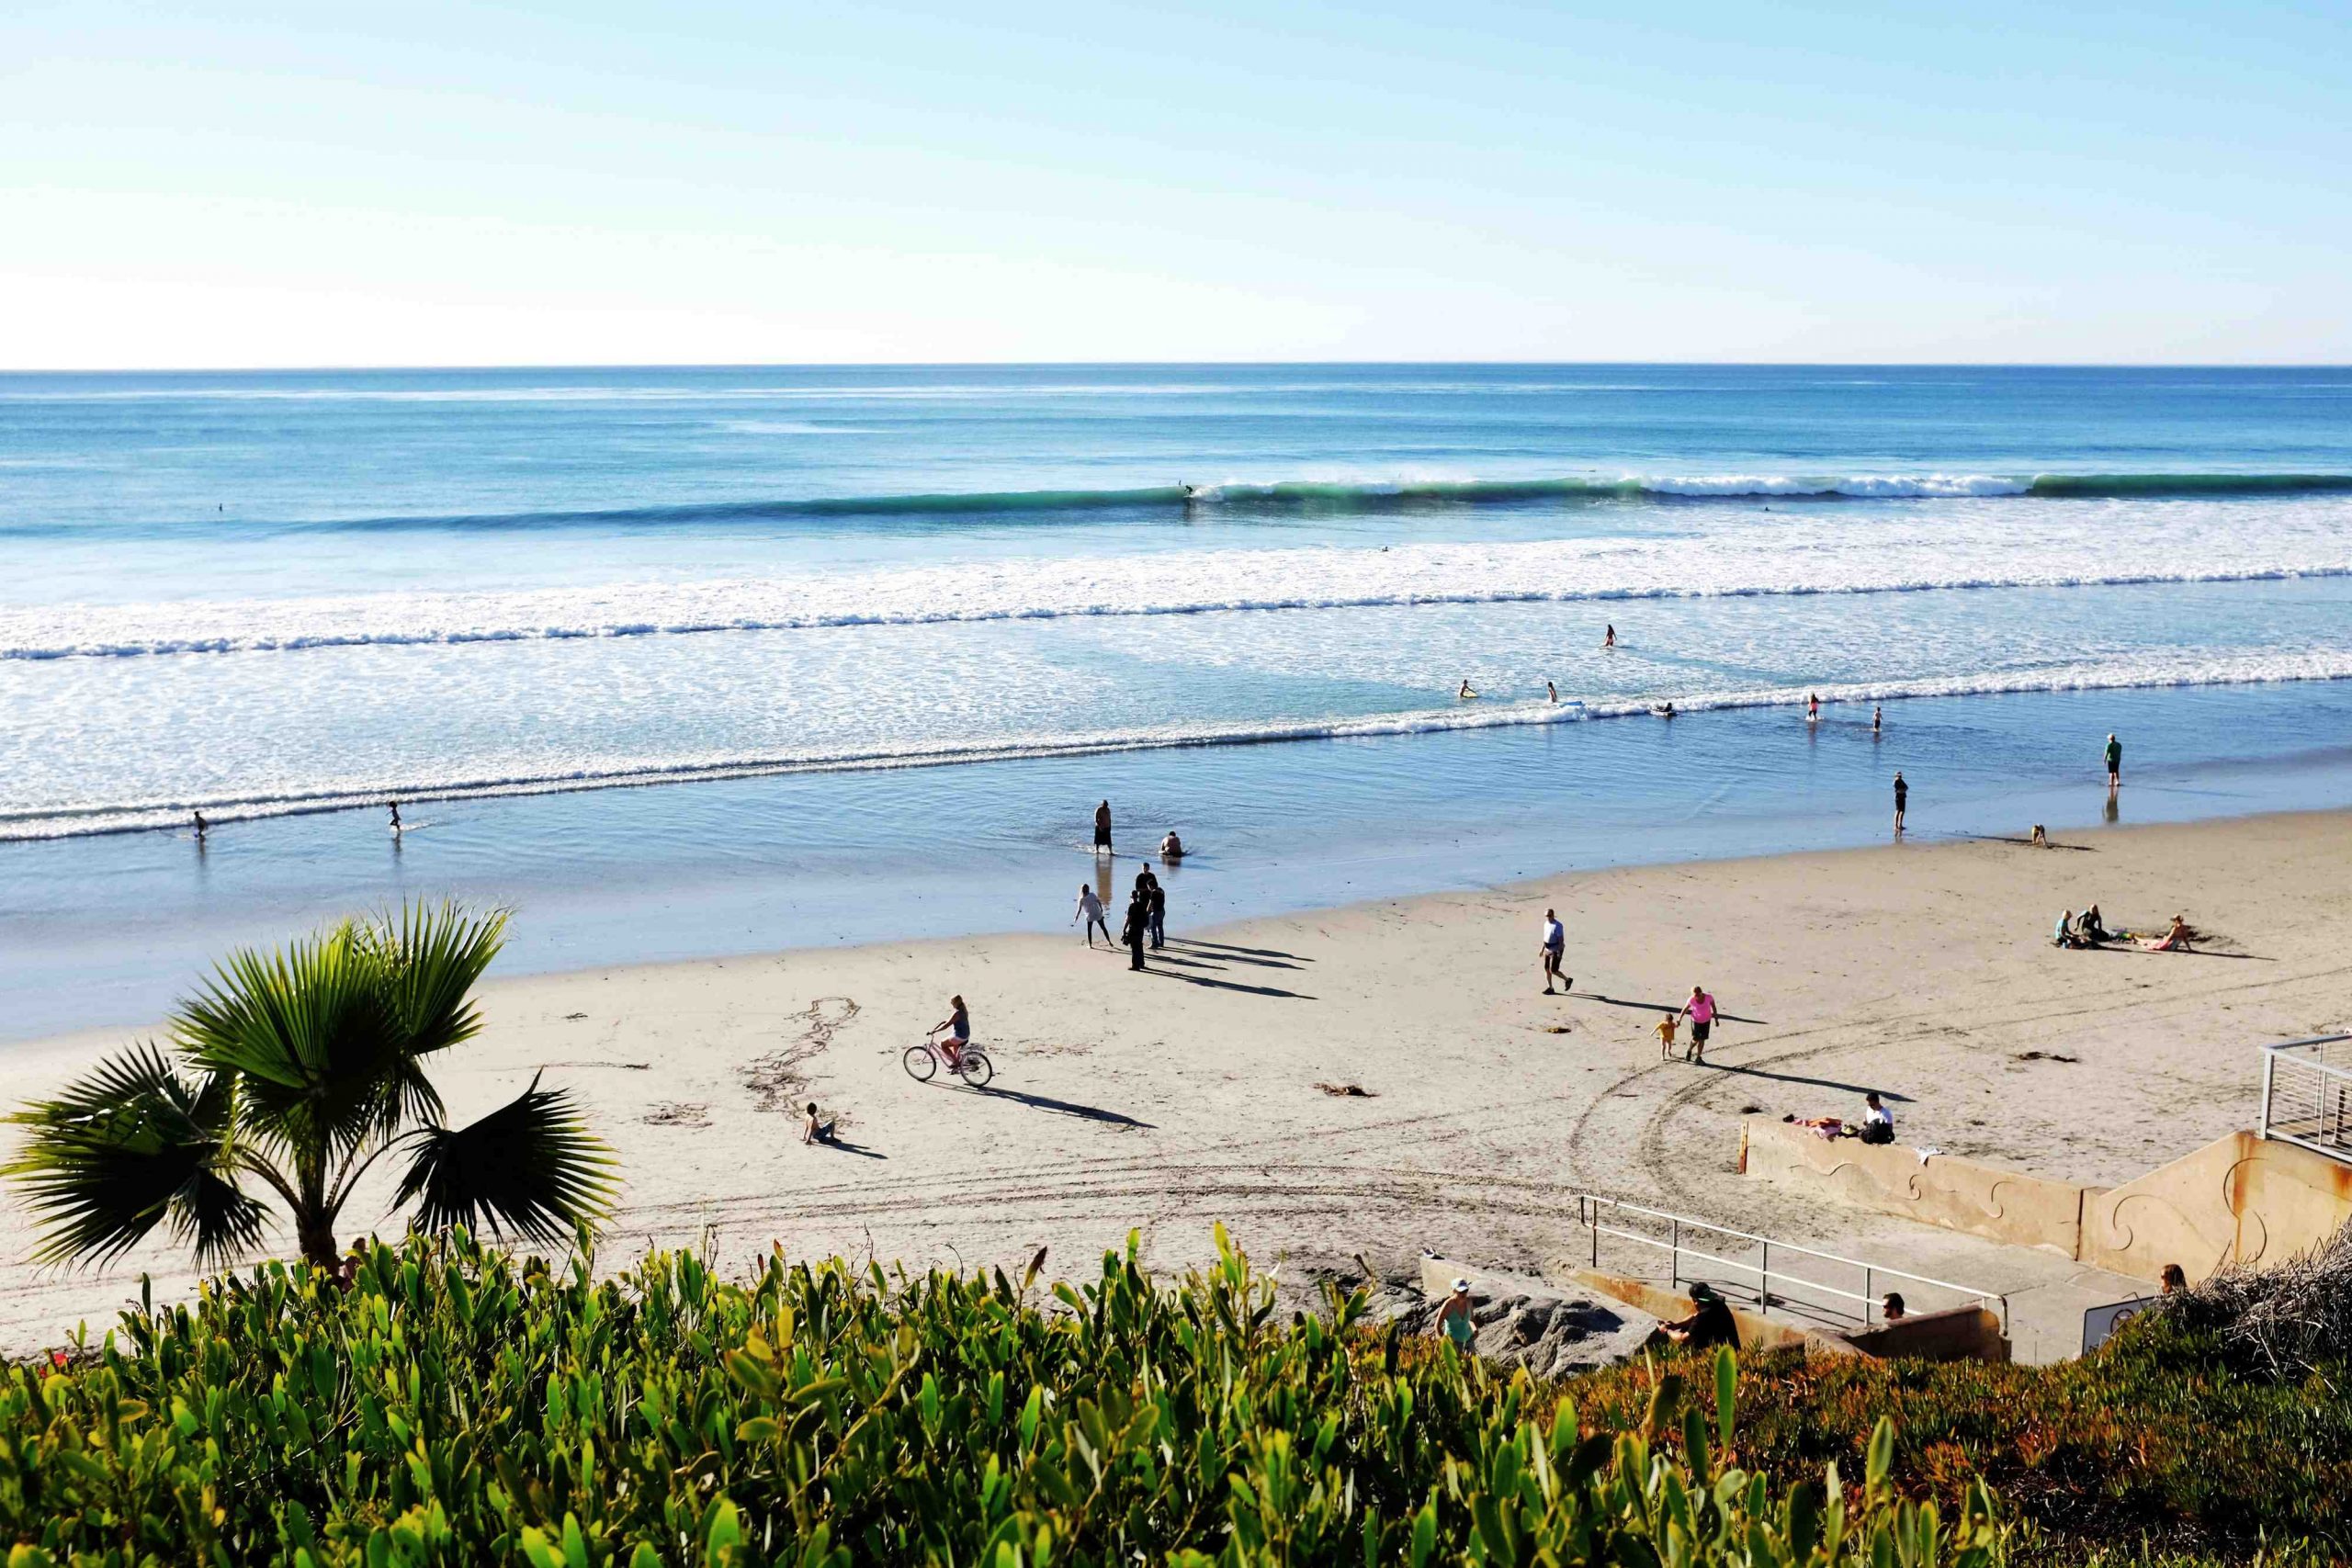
297, 1071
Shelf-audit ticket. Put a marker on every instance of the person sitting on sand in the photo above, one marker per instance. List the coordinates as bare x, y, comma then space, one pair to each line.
813, 1131
1465, 693
1667, 1024
1878, 1121
1171, 846
2091, 928
2177, 940
1710, 1323
1453, 1316
2064, 935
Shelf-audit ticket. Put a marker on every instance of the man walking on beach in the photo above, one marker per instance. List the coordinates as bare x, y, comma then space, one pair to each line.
1555, 943
2114, 761
1902, 798
1103, 828
1700, 1010
1155, 910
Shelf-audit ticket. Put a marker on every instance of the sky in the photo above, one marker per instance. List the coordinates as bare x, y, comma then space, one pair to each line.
774, 182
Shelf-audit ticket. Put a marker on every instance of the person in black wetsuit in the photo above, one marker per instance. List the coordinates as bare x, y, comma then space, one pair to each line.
1137, 926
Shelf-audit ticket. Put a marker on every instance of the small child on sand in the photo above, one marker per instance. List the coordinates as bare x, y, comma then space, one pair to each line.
1666, 1027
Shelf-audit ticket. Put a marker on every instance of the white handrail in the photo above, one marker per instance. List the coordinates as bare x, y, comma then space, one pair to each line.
1590, 1218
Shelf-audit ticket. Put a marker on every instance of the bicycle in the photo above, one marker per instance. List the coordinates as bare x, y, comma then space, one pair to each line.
971, 1064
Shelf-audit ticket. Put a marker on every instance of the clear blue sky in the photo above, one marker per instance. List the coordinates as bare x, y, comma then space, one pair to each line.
426, 183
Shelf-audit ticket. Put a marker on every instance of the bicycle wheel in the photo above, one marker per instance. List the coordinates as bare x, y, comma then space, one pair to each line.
978, 1069
919, 1063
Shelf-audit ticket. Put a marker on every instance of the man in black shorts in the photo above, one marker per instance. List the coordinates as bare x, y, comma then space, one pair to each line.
1902, 798
1103, 828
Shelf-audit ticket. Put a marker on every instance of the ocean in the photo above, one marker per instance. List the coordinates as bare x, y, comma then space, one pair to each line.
872, 641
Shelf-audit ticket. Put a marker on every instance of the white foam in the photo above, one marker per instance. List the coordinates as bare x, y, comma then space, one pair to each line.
2011, 544
2146, 672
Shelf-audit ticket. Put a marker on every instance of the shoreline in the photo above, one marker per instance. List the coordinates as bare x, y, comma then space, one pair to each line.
1188, 1096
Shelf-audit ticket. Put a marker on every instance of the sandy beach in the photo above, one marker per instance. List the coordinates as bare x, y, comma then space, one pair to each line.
1201, 1091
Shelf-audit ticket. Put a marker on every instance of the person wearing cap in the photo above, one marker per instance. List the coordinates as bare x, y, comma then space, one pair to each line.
1710, 1323
1454, 1317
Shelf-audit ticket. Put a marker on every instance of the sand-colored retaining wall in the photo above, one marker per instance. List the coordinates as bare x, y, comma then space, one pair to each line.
1958, 1194
2238, 1200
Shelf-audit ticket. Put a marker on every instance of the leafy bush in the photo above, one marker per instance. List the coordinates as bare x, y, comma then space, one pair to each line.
2156, 1437
454, 1406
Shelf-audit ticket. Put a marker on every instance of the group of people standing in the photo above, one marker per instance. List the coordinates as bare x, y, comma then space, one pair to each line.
1147, 919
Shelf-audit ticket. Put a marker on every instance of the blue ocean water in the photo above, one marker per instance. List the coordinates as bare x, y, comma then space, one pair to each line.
883, 635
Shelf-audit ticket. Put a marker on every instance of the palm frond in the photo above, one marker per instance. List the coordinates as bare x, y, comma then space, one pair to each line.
130, 1147
330, 1033
530, 1167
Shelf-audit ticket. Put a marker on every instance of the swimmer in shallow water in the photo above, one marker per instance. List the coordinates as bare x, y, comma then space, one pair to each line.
1608, 639
396, 815
1664, 710
1465, 693
201, 826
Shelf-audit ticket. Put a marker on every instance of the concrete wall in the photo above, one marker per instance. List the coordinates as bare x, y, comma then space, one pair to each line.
2238, 1200
1755, 1333
1958, 1194
1959, 1334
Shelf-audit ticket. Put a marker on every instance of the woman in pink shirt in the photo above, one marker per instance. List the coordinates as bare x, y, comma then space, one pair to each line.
1700, 1010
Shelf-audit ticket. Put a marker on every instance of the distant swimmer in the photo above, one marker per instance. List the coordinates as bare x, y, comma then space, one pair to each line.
1171, 846
1610, 639
1465, 693
199, 827
1812, 708
396, 815
1664, 710
1553, 692
1878, 717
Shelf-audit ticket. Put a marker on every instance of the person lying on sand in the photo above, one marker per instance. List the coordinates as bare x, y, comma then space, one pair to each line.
2177, 940
1830, 1127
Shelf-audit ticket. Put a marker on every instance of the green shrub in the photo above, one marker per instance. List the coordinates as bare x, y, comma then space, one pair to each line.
453, 1406
2155, 1438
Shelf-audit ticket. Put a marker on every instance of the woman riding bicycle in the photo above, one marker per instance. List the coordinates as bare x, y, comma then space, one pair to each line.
958, 1025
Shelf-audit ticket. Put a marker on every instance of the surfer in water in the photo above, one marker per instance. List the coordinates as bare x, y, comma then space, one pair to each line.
396, 815
1664, 710
1465, 693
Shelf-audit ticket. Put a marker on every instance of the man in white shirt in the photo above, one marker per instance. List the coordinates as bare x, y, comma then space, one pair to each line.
1878, 1121
1555, 943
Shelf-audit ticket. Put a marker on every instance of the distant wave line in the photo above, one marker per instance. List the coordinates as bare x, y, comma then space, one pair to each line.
1344, 496
46, 823
516, 630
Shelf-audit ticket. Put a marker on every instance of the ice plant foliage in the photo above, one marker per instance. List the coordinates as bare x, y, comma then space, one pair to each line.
452, 1406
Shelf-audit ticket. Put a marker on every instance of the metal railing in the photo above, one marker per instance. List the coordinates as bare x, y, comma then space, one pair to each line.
1774, 1286
2307, 1094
